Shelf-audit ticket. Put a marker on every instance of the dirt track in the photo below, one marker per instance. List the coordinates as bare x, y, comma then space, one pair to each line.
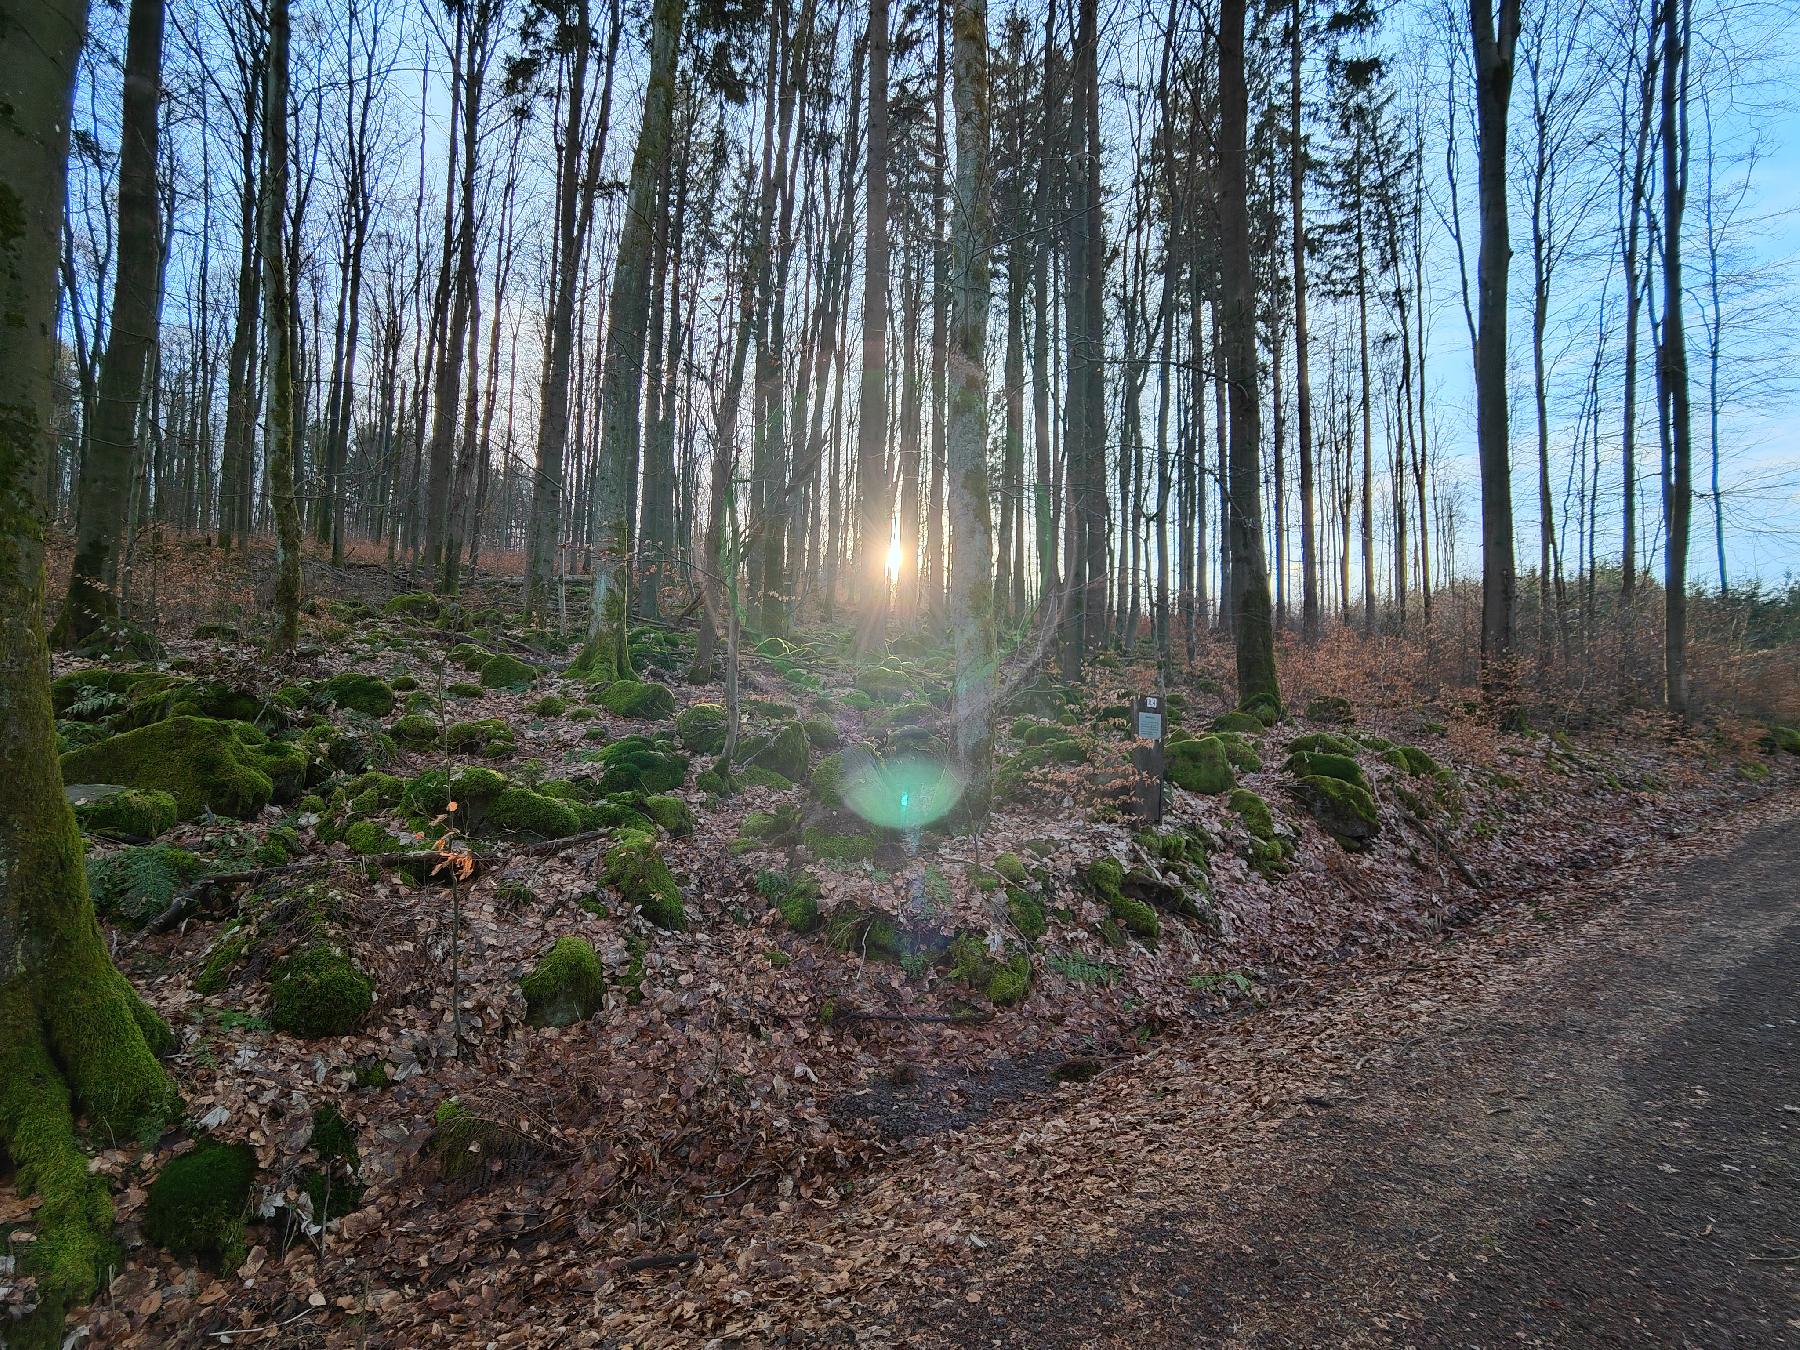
1600, 1146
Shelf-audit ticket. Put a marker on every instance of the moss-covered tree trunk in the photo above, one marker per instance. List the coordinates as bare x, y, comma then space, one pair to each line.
100, 513
971, 525
607, 655
73, 1035
278, 332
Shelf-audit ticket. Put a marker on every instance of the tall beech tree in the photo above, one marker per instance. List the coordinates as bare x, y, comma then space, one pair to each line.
607, 654
971, 524
109, 449
1252, 613
74, 1036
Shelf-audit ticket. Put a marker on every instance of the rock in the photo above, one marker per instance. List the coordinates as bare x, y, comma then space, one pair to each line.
566, 985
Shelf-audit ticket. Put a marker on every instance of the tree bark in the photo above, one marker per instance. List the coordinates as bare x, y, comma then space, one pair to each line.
606, 655
74, 1037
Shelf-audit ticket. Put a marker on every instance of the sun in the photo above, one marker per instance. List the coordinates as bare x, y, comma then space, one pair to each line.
893, 560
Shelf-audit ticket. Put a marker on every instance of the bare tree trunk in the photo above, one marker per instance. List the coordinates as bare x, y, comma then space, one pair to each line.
1672, 368
607, 655
1250, 607
971, 531
100, 515
871, 431
278, 335
1495, 39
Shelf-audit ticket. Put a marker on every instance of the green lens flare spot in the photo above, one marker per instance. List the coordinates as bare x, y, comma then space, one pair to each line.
907, 792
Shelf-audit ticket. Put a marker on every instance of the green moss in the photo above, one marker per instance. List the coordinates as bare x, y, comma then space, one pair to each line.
1345, 810
641, 699
1254, 812
550, 705
1785, 738
769, 829
755, 776
1106, 878
140, 812
672, 813
565, 986
822, 732
1027, 913
428, 795
795, 896
1321, 764
230, 948
465, 736
1243, 723
840, 848
416, 729
1011, 867
869, 933
318, 991
199, 1201
1199, 765
1323, 743
785, 751
367, 838
640, 764
522, 811
1240, 753
463, 689
227, 767
413, 604
1010, 981
503, 672
1415, 762
635, 869
360, 693
1265, 708
1331, 708
700, 727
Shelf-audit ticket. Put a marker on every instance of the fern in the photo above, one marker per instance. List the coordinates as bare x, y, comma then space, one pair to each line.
94, 705
1078, 968
134, 885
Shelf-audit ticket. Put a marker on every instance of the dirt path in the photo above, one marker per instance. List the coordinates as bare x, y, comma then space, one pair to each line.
1597, 1142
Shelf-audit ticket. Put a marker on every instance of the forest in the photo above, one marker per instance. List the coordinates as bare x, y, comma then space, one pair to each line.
615, 613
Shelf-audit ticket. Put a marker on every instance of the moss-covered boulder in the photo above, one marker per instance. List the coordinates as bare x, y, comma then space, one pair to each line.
768, 829
506, 672
416, 729
413, 605
318, 991
368, 839
199, 1202
226, 767
1004, 979
785, 751
1785, 738
1106, 879
102, 691
1240, 752
795, 896
356, 692
1332, 709
520, 810
566, 985
700, 727
640, 764
1325, 764
671, 813
851, 846
1268, 852
640, 699
1344, 810
1265, 708
140, 813
635, 869
1323, 743
1200, 765
1242, 723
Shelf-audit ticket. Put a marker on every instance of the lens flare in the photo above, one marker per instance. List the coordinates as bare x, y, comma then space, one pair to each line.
907, 792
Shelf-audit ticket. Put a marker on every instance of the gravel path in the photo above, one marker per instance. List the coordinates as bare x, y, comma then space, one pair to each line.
1598, 1146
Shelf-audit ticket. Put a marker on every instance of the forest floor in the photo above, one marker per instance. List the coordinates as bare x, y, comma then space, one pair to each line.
1324, 1075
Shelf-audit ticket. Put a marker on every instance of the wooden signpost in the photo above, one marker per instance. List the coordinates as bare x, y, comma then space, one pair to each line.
1148, 722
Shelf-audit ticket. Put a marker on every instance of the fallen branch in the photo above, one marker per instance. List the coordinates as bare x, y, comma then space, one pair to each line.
873, 1015
188, 900
661, 1261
